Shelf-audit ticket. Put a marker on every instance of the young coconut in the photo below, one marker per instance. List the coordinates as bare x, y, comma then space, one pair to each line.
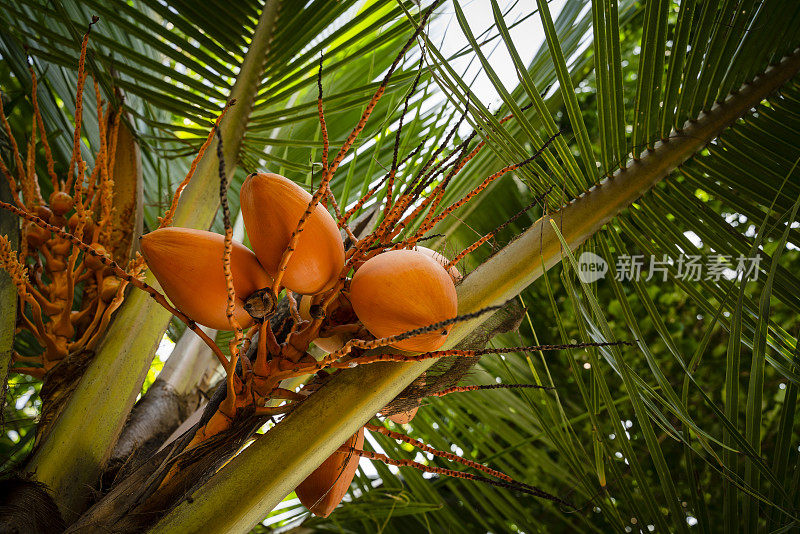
402, 290
271, 207
323, 490
188, 265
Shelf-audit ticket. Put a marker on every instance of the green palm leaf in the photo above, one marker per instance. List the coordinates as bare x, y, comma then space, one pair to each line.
655, 435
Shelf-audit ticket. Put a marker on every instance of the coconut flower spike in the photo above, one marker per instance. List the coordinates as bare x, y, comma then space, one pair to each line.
404, 358
14, 149
385, 341
431, 203
441, 454
363, 200
76, 161
322, 125
10, 263
48, 154
483, 387
483, 185
514, 485
13, 182
118, 271
325, 148
393, 169
230, 400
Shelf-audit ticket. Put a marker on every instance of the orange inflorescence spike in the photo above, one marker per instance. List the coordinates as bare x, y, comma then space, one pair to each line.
372, 358
363, 200
107, 189
12, 265
442, 454
378, 93
29, 184
393, 170
42, 133
481, 387
322, 125
118, 271
100, 172
12, 183
519, 486
76, 160
14, 148
103, 180
482, 186
389, 340
342, 221
358, 205
230, 400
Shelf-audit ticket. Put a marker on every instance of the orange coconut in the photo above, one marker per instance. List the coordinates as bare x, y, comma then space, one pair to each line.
323, 490
271, 207
188, 265
402, 290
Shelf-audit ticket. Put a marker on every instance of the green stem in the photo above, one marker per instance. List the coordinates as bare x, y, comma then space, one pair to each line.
290, 451
70, 459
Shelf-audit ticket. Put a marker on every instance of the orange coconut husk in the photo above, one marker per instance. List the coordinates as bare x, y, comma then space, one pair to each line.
323, 490
188, 265
402, 290
271, 207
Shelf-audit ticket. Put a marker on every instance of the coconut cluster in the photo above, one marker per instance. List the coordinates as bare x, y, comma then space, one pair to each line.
390, 293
